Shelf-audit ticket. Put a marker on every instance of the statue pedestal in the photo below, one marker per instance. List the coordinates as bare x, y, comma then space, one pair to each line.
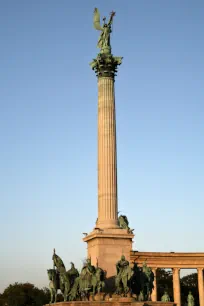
114, 298
99, 297
105, 247
118, 298
107, 297
112, 303
91, 298
126, 299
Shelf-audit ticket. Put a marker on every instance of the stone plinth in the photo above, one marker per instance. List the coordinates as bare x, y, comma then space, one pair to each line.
117, 298
106, 246
121, 302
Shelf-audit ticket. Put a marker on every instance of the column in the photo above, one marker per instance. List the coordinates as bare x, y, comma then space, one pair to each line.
176, 286
154, 292
107, 162
200, 286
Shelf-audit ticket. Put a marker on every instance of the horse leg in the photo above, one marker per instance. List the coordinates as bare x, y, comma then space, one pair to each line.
117, 284
51, 296
99, 287
63, 290
125, 286
94, 289
148, 293
65, 295
68, 288
66, 291
56, 296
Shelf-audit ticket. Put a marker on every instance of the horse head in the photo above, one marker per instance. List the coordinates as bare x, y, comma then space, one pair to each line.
51, 273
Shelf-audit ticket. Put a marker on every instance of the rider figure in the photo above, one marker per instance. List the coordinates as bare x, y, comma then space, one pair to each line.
122, 269
148, 281
121, 266
147, 270
58, 263
73, 274
88, 270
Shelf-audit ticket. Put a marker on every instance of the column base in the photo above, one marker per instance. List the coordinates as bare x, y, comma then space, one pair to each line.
106, 246
107, 224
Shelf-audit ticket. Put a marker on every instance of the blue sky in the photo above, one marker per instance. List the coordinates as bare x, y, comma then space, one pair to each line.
48, 128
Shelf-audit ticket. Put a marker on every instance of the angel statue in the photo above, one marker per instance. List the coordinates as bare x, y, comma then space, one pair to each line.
104, 39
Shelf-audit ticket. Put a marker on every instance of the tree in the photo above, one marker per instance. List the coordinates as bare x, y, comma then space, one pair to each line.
24, 294
164, 283
190, 280
189, 283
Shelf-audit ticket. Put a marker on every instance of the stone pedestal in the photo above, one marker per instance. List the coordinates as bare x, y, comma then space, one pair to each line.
106, 246
99, 297
119, 302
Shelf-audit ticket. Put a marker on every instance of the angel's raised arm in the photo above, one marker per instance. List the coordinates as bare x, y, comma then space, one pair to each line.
112, 14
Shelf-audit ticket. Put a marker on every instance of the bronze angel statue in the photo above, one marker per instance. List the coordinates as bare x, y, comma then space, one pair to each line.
104, 39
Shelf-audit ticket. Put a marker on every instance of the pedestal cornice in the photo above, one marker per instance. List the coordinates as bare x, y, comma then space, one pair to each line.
115, 233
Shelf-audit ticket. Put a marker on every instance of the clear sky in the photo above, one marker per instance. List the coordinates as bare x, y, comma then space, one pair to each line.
48, 128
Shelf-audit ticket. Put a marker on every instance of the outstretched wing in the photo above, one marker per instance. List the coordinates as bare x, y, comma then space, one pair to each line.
126, 220
96, 20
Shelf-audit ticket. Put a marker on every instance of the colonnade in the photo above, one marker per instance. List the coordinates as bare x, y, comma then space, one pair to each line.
177, 287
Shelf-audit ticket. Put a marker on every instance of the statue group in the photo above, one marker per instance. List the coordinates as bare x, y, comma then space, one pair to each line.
91, 280
72, 285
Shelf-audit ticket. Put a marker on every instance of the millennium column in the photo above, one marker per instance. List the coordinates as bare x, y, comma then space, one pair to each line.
107, 168
107, 242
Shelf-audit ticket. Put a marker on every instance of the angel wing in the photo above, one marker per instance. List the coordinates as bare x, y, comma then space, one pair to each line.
126, 219
96, 20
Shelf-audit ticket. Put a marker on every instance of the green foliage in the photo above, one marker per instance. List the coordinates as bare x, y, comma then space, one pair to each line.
190, 280
190, 283
164, 283
24, 294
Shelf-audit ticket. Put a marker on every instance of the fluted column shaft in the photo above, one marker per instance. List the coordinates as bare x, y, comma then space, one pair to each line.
176, 286
200, 286
107, 162
154, 291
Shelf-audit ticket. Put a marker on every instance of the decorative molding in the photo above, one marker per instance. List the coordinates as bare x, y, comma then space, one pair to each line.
105, 65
